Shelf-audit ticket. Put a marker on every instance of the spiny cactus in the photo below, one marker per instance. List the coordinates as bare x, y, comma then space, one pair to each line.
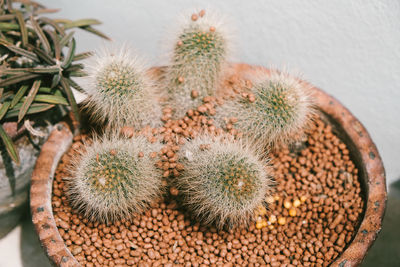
276, 110
114, 178
120, 92
199, 53
224, 181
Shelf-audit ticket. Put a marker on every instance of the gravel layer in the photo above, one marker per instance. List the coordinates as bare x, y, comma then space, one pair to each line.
311, 218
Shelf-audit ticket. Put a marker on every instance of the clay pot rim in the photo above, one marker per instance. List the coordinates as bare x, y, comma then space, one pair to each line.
376, 194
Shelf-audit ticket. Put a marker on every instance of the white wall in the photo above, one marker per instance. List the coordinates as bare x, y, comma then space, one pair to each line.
351, 49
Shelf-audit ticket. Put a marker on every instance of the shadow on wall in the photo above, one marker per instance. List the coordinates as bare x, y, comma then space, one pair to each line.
386, 249
32, 253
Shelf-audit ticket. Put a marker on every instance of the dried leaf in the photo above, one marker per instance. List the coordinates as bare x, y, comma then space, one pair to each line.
12, 151
46, 10
24, 31
29, 99
21, 92
81, 23
9, 5
7, 17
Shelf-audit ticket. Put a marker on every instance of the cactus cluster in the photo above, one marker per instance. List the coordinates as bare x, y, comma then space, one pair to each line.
224, 181
120, 92
278, 110
199, 53
114, 179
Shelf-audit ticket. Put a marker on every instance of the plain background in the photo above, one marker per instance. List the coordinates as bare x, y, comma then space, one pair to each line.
350, 49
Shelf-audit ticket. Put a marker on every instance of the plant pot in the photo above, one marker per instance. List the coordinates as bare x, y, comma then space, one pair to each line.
15, 179
362, 152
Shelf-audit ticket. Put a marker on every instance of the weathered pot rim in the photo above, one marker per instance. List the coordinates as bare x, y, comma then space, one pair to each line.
61, 139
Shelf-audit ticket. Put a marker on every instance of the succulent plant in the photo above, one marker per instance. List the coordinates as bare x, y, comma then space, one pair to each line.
114, 178
199, 54
120, 92
276, 110
224, 181
37, 63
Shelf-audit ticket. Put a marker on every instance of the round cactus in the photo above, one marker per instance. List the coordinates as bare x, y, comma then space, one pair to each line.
276, 110
223, 181
199, 53
120, 92
114, 178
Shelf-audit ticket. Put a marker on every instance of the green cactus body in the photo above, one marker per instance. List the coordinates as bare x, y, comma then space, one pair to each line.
111, 181
198, 57
281, 110
120, 93
224, 183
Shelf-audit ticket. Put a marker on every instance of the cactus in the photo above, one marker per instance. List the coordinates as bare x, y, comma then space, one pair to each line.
199, 54
223, 181
114, 179
120, 92
276, 110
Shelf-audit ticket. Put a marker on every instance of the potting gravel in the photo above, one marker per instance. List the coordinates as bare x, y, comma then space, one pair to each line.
310, 219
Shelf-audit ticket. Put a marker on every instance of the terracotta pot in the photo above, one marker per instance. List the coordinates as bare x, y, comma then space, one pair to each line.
348, 128
14, 179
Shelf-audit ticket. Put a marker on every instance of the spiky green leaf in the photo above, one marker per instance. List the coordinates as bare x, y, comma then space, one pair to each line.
29, 99
81, 23
82, 56
6, 26
56, 79
34, 108
51, 99
54, 24
41, 35
70, 55
22, 52
21, 92
71, 98
66, 39
24, 31
9, 145
97, 32
17, 78
75, 85
3, 108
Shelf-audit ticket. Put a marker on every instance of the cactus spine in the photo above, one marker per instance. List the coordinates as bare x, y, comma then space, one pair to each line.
223, 181
199, 54
120, 92
276, 110
114, 179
